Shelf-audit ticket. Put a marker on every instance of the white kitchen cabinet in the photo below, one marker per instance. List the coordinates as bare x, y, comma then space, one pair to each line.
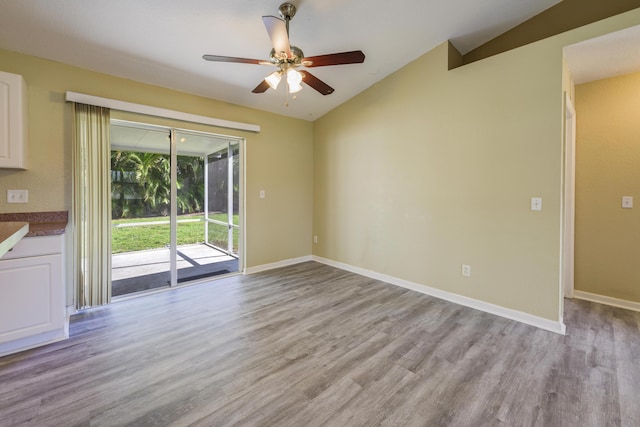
32, 294
13, 121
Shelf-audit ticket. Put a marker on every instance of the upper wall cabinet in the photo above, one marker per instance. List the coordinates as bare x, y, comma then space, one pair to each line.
13, 121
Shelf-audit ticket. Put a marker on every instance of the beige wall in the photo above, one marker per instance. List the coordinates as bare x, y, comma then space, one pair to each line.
431, 169
422, 172
278, 227
607, 168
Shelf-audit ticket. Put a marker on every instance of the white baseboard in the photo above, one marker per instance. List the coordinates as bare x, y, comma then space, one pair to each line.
601, 299
271, 266
519, 316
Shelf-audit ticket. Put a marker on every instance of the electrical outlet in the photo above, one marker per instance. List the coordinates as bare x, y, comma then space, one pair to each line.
17, 196
315, 239
466, 270
262, 194
627, 202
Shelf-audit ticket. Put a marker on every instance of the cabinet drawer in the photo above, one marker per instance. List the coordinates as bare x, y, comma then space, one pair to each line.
36, 246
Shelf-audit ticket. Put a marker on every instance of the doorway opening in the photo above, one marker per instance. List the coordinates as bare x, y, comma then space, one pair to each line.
175, 203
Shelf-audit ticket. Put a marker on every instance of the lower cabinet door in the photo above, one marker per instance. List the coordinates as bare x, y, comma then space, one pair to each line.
31, 296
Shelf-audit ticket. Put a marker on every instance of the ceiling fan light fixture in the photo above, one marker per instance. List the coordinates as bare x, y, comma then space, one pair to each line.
273, 79
294, 78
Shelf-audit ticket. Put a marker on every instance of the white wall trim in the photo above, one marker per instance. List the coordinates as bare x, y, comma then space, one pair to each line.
278, 264
601, 299
519, 316
148, 110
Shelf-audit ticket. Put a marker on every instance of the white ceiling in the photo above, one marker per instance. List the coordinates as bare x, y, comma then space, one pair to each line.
162, 41
607, 56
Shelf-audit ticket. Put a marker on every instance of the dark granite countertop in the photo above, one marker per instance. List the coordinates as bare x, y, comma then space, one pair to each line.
40, 223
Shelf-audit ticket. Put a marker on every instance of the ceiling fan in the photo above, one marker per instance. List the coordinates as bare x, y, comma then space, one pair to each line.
289, 58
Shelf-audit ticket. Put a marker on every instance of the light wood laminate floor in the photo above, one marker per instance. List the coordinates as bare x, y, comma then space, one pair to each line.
311, 345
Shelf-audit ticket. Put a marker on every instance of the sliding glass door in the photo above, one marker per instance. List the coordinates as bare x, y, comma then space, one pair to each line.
140, 209
175, 206
208, 189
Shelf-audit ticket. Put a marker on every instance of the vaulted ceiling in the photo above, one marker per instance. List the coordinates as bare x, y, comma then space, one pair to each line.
162, 41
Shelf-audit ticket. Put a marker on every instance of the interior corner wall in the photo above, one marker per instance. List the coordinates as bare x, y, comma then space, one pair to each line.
607, 241
277, 227
430, 169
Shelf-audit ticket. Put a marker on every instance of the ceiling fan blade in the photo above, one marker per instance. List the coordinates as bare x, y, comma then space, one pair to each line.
353, 57
218, 58
277, 29
262, 87
316, 83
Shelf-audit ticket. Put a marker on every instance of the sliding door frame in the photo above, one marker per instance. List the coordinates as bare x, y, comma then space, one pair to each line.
173, 153
173, 215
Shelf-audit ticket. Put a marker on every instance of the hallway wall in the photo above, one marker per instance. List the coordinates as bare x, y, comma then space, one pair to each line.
607, 242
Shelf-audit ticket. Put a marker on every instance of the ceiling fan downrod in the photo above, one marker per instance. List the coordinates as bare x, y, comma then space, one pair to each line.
287, 11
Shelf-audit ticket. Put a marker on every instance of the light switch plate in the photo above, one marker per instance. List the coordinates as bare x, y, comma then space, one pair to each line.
17, 196
536, 203
627, 202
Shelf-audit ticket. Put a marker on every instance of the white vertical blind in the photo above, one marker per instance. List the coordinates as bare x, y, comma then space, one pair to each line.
91, 208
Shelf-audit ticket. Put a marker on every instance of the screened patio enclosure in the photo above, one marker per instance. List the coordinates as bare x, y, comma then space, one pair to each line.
176, 214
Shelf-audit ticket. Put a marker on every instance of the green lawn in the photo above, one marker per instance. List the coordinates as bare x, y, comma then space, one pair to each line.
139, 238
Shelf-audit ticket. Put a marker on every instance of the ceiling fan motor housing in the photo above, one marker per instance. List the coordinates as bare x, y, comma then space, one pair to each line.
296, 57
